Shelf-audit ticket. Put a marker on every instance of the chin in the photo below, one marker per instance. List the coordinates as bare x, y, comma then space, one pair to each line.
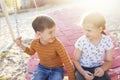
89, 37
52, 40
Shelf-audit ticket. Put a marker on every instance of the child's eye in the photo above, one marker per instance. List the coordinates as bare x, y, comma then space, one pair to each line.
89, 30
50, 32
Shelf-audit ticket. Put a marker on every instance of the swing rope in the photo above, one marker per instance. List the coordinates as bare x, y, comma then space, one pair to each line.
36, 7
4, 10
15, 16
18, 34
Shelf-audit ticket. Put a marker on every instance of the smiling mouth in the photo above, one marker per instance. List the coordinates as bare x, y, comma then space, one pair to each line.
87, 36
52, 39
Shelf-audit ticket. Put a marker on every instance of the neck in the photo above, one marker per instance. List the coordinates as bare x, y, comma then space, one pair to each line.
96, 40
42, 42
98, 37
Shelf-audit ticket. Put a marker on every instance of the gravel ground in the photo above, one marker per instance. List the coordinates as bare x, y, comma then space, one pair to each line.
13, 61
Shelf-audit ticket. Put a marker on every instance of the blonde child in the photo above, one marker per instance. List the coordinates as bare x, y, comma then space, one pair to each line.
50, 50
93, 51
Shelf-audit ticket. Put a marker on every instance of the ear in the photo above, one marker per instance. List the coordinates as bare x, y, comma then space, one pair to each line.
38, 34
101, 29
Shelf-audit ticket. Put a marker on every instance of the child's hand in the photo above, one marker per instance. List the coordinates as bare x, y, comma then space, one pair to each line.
89, 76
99, 72
19, 41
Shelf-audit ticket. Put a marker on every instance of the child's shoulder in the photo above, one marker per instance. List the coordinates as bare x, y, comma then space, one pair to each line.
57, 40
81, 40
83, 37
106, 36
34, 41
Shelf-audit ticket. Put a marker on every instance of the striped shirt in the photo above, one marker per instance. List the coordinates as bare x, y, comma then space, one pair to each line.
52, 55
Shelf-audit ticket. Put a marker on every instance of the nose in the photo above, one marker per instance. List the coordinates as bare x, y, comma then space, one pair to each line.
86, 32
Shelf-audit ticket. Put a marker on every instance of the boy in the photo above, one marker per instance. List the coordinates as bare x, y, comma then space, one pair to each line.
50, 50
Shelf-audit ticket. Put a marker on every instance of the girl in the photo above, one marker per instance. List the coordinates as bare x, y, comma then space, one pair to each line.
93, 51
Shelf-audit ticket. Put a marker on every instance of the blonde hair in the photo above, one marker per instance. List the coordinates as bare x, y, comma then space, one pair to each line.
94, 18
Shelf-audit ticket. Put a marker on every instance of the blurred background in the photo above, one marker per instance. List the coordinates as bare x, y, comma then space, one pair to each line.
104, 5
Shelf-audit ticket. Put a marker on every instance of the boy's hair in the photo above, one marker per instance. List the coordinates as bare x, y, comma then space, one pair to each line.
42, 22
95, 18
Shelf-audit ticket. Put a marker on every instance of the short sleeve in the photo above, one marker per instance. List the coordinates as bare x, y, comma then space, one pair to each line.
79, 43
109, 43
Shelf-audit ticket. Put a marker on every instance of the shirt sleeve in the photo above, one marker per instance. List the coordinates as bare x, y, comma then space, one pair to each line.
109, 43
66, 60
30, 50
78, 44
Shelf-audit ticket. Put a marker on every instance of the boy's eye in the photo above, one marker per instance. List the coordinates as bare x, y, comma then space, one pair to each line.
89, 30
50, 32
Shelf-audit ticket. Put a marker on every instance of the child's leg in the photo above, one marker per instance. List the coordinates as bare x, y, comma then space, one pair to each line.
41, 73
79, 76
104, 77
56, 74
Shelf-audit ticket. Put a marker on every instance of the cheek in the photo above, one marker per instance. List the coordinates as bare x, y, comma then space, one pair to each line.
48, 37
90, 34
45, 37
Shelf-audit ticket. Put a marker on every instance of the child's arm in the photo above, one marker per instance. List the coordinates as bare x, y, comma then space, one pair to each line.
66, 60
107, 64
76, 61
108, 60
29, 51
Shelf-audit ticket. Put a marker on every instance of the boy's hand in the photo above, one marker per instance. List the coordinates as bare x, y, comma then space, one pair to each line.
99, 72
19, 41
89, 76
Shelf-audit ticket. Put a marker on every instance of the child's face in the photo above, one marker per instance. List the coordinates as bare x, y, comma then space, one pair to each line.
47, 36
91, 31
